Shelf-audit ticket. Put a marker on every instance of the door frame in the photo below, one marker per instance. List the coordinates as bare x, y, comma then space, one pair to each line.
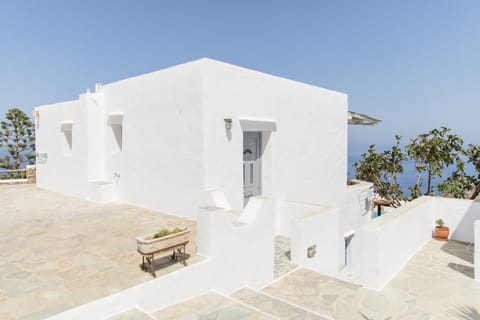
259, 136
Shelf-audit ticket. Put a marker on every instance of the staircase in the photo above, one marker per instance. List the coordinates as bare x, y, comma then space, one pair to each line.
275, 307
243, 304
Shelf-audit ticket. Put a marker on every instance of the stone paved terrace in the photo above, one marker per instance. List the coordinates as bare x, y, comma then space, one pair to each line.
210, 306
58, 252
435, 284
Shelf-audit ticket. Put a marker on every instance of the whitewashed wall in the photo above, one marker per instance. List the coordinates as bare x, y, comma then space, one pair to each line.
287, 211
356, 210
319, 228
305, 159
176, 149
459, 215
66, 173
242, 253
161, 165
389, 241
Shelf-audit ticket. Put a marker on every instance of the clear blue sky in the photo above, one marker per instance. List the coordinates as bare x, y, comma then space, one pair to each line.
414, 64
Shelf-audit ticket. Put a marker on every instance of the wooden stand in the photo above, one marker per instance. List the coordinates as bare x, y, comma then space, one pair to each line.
149, 257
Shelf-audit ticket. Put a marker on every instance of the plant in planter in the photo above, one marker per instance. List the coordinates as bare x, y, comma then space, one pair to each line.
165, 240
441, 232
166, 232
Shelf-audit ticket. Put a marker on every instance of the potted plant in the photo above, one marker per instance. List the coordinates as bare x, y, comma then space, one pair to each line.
441, 232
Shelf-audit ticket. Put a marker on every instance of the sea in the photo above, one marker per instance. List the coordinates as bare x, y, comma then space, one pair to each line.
409, 177
406, 180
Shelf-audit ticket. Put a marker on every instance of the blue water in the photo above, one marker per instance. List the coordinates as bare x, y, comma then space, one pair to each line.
409, 177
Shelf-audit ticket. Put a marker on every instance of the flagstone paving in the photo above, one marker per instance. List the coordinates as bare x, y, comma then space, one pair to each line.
210, 306
270, 305
58, 252
435, 284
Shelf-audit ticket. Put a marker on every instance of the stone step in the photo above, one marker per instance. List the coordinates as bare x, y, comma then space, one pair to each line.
317, 292
274, 306
210, 306
132, 314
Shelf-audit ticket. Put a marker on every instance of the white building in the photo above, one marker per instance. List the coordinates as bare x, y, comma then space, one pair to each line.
163, 140
207, 133
248, 155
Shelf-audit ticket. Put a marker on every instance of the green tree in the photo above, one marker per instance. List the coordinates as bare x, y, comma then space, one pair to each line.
473, 156
17, 135
382, 169
434, 151
459, 183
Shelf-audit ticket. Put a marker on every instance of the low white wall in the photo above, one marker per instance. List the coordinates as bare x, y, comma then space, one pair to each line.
459, 215
242, 253
476, 257
355, 211
177, 286
389, 241
319, 228
287, 211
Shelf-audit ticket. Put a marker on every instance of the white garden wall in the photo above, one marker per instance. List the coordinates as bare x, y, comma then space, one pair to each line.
389, 241
459, 215
242, 253
317, 229
356, 210
287, 211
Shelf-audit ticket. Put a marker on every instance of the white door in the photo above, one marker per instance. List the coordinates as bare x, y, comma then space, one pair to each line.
251, 165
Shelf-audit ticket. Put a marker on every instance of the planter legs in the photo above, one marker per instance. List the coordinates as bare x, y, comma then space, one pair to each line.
179, 254
148, 259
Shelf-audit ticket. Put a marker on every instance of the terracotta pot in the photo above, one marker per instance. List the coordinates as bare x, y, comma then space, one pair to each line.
441, 233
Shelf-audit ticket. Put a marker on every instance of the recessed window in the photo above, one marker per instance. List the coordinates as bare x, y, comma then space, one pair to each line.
67, 143
117, 137
115, 121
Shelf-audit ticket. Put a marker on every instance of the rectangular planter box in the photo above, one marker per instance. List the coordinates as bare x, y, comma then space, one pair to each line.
148, 245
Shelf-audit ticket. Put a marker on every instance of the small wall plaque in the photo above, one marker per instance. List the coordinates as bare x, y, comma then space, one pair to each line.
42, 157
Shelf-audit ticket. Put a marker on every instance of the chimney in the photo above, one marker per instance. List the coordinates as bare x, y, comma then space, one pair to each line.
98, 87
